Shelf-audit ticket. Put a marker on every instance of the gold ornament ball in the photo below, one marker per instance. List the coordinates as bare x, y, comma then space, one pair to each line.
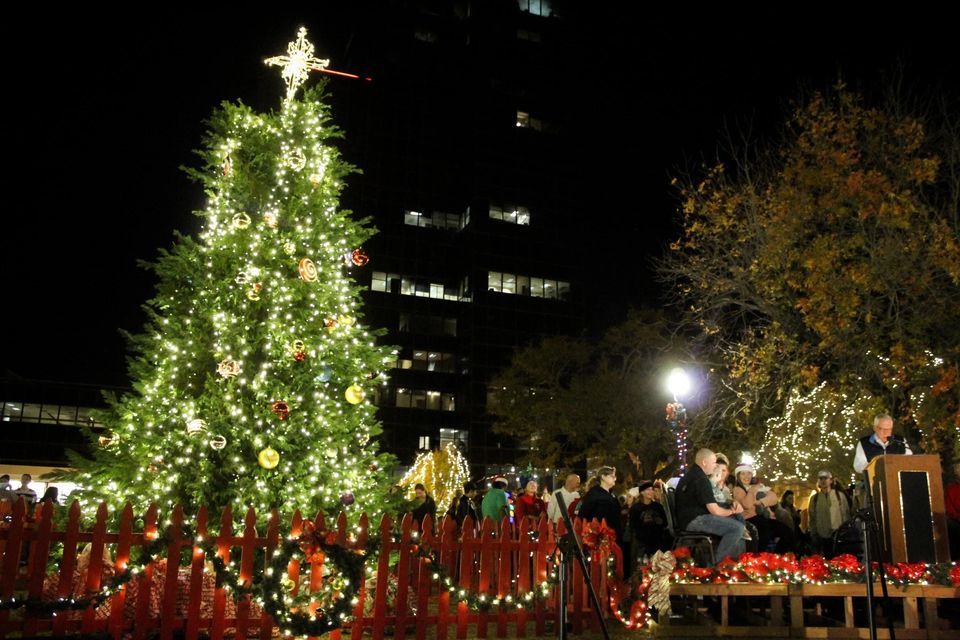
354, 394
296, 160
290, 248
196, 427
268, 458
308, 270
241, 221
217, 443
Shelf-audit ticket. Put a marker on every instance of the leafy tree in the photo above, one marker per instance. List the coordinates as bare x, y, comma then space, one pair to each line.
570, 400
832, 257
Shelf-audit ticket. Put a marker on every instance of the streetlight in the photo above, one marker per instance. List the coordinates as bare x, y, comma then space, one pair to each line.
678, 383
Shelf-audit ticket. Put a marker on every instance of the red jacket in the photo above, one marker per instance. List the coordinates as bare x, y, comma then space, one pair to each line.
528, 506
953, 500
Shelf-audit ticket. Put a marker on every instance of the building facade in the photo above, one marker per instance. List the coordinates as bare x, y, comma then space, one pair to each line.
459, 124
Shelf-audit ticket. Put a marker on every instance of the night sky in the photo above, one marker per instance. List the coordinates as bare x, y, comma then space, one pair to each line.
102, 110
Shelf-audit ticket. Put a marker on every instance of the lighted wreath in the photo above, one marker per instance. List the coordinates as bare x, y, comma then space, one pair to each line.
310, 614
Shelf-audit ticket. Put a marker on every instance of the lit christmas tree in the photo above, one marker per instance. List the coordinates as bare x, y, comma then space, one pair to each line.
252, 377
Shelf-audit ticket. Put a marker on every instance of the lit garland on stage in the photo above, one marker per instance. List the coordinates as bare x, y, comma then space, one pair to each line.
774, 568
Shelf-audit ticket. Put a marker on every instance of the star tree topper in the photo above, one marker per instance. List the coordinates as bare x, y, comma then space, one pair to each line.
298, 62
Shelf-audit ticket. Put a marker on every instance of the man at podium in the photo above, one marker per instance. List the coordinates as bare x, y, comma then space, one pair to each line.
880, 442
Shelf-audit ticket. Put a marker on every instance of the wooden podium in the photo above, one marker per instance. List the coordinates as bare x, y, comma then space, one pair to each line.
908, 501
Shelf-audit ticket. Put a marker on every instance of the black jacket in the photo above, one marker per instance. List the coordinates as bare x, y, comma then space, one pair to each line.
600, 504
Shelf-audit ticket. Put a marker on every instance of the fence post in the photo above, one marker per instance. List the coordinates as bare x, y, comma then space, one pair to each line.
273, 538
95, 567
356, 627
248, 547
486, 570
403, 577
171, 578
197, 559
469, 568
316, 566
224, 543
118, 603
545, 547
505, 562
37, 565
383, 577
525, 560
446, 558
427, 541
143, 623
578, 584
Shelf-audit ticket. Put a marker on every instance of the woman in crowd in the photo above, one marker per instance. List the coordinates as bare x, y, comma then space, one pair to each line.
529, 507
757, 500
423, 504
600, 502
722, 492
648, 525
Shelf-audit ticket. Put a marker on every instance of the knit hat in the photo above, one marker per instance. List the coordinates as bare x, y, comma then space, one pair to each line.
644, 486
744, 467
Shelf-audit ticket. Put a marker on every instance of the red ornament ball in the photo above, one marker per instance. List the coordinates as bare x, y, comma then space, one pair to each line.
359, 257
347, 498
281, 409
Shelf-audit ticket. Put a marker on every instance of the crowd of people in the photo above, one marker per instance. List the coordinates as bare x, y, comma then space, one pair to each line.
735, 506
713, 497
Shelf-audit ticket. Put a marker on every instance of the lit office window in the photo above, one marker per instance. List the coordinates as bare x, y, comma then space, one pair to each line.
459, 437
435, 220
526, 121
494, 280
422, 360
428, 399
424, 442
409, 286
540, 8
510, 213
499, 282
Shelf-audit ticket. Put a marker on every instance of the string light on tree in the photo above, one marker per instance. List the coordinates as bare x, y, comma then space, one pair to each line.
678, 383
819, 429
442, 472
240, 299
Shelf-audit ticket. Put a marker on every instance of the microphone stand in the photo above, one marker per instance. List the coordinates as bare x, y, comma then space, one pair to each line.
869, 530
568, 545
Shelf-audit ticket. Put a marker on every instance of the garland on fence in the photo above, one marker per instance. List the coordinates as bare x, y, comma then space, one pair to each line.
112, 585
481, 601
294, 612
299, 612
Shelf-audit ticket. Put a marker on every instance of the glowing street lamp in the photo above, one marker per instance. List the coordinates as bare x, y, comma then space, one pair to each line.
678, 383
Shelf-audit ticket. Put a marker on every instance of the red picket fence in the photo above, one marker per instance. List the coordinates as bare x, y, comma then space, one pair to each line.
396, 599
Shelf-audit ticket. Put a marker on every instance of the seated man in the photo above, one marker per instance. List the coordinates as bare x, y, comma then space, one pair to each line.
697, 509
